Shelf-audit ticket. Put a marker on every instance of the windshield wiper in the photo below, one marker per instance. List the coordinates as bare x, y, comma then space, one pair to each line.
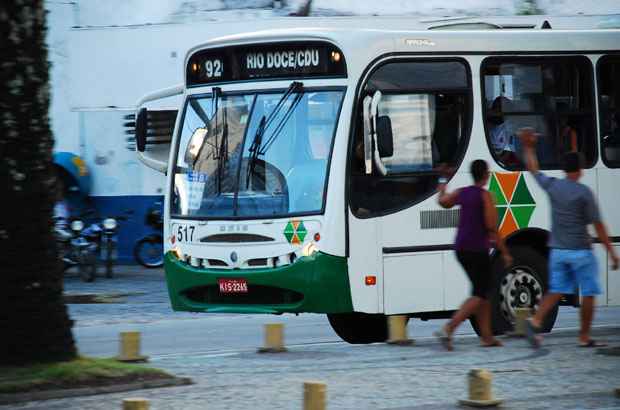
222, 157
257, 148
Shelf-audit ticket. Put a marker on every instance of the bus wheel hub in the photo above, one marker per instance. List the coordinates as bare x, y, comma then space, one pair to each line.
524, 297
519, 289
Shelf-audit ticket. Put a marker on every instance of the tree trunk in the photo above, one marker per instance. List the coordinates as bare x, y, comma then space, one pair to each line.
34, 323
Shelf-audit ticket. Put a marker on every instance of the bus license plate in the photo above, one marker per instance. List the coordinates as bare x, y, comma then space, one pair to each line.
233, 285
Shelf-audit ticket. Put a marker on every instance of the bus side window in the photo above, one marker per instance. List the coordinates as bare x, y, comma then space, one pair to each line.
609, 103
429, 106
553, 95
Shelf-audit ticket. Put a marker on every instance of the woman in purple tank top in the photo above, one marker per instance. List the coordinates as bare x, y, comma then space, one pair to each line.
476, 231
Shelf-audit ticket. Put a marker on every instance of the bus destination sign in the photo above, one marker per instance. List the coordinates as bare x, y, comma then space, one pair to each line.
283, 63
273, 61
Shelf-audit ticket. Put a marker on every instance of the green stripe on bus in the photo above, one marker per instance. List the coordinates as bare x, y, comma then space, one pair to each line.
322, 279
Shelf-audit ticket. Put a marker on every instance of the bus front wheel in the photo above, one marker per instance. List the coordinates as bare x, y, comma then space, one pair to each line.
359, 328
522, 285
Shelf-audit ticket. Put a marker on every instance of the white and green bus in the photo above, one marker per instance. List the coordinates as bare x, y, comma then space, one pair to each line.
302, 162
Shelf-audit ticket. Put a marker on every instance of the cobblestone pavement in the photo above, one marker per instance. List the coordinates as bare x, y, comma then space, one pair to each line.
230, 375
560, 375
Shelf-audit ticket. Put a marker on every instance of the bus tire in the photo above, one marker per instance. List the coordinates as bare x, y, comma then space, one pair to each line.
359, 328
520, 286
149, 251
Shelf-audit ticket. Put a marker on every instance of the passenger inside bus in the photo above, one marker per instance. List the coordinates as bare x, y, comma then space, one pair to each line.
502, 132
567, 137
553, 96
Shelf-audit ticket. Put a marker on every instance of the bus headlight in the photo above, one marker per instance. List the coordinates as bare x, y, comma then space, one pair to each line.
177, 253
309, 249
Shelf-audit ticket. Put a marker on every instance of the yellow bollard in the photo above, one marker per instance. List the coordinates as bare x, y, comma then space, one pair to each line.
130, 348
136, 403
397, 331
274, 339
521, 315
480, 392
314, 395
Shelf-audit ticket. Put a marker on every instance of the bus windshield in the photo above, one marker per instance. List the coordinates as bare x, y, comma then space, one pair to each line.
255, 155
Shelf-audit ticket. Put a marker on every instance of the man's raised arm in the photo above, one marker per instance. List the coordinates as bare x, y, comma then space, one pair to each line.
528, 140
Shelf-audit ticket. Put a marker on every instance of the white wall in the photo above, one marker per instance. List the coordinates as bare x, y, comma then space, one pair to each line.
64, 125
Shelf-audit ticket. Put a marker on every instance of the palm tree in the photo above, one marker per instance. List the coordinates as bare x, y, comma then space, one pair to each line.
34, 322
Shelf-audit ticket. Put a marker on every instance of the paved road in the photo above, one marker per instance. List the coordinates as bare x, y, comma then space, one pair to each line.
219, 353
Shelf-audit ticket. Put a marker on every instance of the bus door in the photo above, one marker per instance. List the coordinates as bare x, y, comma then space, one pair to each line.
417, 116
365, 267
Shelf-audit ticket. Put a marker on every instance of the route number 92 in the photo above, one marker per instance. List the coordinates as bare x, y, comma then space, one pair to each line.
213, 68
184, 233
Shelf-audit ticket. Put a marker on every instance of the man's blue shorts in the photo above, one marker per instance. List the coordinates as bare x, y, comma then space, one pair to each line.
570, 269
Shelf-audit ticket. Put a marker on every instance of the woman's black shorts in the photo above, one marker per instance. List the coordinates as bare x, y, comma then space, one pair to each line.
477, 265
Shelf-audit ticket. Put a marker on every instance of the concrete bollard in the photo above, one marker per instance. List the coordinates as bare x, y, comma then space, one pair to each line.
129, 348
480, 391
274, 339
521, 315
397, 331
314, 395
136, 403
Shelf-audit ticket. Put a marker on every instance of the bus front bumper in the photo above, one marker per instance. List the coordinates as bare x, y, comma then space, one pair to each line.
318, 283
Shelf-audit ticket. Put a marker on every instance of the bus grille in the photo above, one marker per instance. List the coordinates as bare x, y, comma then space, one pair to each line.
211, 263
257, 295
440, 218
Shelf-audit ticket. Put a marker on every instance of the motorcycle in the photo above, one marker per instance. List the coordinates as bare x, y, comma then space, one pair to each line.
149, 251
77, 250
104, 235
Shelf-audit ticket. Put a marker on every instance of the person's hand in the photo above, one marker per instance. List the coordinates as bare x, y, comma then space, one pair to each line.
507, 258
527, 136
615, 262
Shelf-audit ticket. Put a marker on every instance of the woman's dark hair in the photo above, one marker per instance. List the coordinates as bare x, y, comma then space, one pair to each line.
479, 169
572, 161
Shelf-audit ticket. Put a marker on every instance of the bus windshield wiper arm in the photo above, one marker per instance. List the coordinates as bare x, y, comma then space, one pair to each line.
256, 148
276, 132
222, 157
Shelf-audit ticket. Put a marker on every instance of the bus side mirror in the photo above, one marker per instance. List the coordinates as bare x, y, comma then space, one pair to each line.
385, 139
151, 129
141, 127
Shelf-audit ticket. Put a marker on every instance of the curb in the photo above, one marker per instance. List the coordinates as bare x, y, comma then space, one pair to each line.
105, 297
91, 391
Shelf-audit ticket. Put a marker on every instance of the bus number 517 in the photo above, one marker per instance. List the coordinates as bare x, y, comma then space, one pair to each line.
185, 233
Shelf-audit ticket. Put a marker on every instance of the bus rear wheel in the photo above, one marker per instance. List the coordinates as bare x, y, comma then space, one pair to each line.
359, 328
520, 286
